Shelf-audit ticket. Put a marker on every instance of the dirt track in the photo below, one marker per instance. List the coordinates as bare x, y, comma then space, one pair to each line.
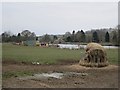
105, 77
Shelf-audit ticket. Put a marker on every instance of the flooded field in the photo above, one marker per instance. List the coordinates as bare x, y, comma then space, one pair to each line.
74, 46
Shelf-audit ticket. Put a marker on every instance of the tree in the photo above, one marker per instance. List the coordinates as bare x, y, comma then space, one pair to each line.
37, 38
68, 39
27, 35
95, 37
6, 36
55, 37
3, 37
14, 38
73, 32
73, 35
101, 34
19, 38
78, 36
88, 38
83, 37
32, 36
107, 37
46, 38
114, 38
67, 34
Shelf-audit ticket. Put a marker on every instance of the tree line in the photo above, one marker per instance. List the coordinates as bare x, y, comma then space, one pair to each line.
110, 35
23, 36
98, 36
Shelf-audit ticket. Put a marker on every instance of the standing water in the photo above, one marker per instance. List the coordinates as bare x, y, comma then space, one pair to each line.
74, 46
52, 75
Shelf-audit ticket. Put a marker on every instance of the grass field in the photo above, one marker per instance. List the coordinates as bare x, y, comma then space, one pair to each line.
47, 55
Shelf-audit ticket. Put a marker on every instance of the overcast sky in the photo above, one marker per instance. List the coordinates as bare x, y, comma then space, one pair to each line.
58, 18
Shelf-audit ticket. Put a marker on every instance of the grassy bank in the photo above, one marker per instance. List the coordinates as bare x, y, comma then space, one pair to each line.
45, 55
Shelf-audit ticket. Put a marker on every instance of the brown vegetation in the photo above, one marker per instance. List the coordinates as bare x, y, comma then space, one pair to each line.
95, 56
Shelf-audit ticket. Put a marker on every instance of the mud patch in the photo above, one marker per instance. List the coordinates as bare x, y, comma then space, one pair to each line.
73, 76
52, 75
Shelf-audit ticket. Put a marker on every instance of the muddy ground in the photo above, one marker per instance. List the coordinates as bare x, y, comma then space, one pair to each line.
105, 77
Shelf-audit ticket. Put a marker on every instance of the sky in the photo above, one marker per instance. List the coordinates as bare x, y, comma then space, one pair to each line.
57, 17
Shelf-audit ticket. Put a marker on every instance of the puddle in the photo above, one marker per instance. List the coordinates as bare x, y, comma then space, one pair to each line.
47, 75
53, 75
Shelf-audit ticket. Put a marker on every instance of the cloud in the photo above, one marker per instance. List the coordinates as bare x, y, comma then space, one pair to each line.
55, 18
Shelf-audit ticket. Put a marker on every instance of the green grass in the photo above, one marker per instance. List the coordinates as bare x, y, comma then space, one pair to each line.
113, 56
47, 55
39, 54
